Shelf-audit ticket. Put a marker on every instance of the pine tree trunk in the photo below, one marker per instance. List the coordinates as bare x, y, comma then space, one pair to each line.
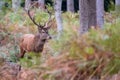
16, 4
117, 6
87, 15
27, 4
41, 4
70, 5
58, 16
1, 4
100, 13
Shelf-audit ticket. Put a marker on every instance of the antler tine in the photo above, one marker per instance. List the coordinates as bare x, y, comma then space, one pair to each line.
49, 15
33, 20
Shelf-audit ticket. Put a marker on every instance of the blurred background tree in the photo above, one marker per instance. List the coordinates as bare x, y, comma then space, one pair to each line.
16, 5
117, 6
70, 5
108, 4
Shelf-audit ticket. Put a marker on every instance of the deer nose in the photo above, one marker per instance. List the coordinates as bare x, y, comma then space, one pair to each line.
49, 37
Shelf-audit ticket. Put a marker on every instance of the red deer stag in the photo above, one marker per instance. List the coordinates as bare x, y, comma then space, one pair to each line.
35, 43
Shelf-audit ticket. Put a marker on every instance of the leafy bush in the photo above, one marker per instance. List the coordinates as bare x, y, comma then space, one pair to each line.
31, 60
96, 53
97, 50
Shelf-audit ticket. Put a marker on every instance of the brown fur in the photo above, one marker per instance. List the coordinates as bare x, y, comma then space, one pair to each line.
32, 43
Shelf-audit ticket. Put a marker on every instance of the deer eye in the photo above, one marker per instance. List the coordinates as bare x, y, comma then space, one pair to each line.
43, 40
45, 32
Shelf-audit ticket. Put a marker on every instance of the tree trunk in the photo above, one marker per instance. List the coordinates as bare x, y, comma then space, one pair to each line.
27, 4
70, 5
58, 16
100, 13
1, 4
87, 15
16, 4
117, 6
41, 4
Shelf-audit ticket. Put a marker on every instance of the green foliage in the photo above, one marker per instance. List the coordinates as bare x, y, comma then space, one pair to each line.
113, 66
41, 16
92, 45
12, 56
2, 55
6, 5
109, 38
31, 60
109, 5
112, 44
9, 48
90, 49
71, 18
14, 17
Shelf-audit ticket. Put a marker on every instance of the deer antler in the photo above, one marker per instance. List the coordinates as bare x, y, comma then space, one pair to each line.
42, 27
49, 19
33, 20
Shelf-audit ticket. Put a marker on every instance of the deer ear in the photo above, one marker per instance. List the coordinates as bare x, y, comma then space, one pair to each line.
48, 27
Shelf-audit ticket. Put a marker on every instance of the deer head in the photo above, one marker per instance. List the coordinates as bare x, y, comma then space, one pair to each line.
42, 29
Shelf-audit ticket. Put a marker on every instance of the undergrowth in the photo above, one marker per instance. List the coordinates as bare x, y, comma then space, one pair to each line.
94, 55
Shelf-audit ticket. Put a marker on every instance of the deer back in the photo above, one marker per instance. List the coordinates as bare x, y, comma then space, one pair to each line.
26, 42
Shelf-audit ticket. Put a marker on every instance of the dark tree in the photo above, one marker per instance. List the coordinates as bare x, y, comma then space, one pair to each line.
87, 15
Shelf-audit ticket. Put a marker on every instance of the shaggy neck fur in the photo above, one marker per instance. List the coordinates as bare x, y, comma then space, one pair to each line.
37, 44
